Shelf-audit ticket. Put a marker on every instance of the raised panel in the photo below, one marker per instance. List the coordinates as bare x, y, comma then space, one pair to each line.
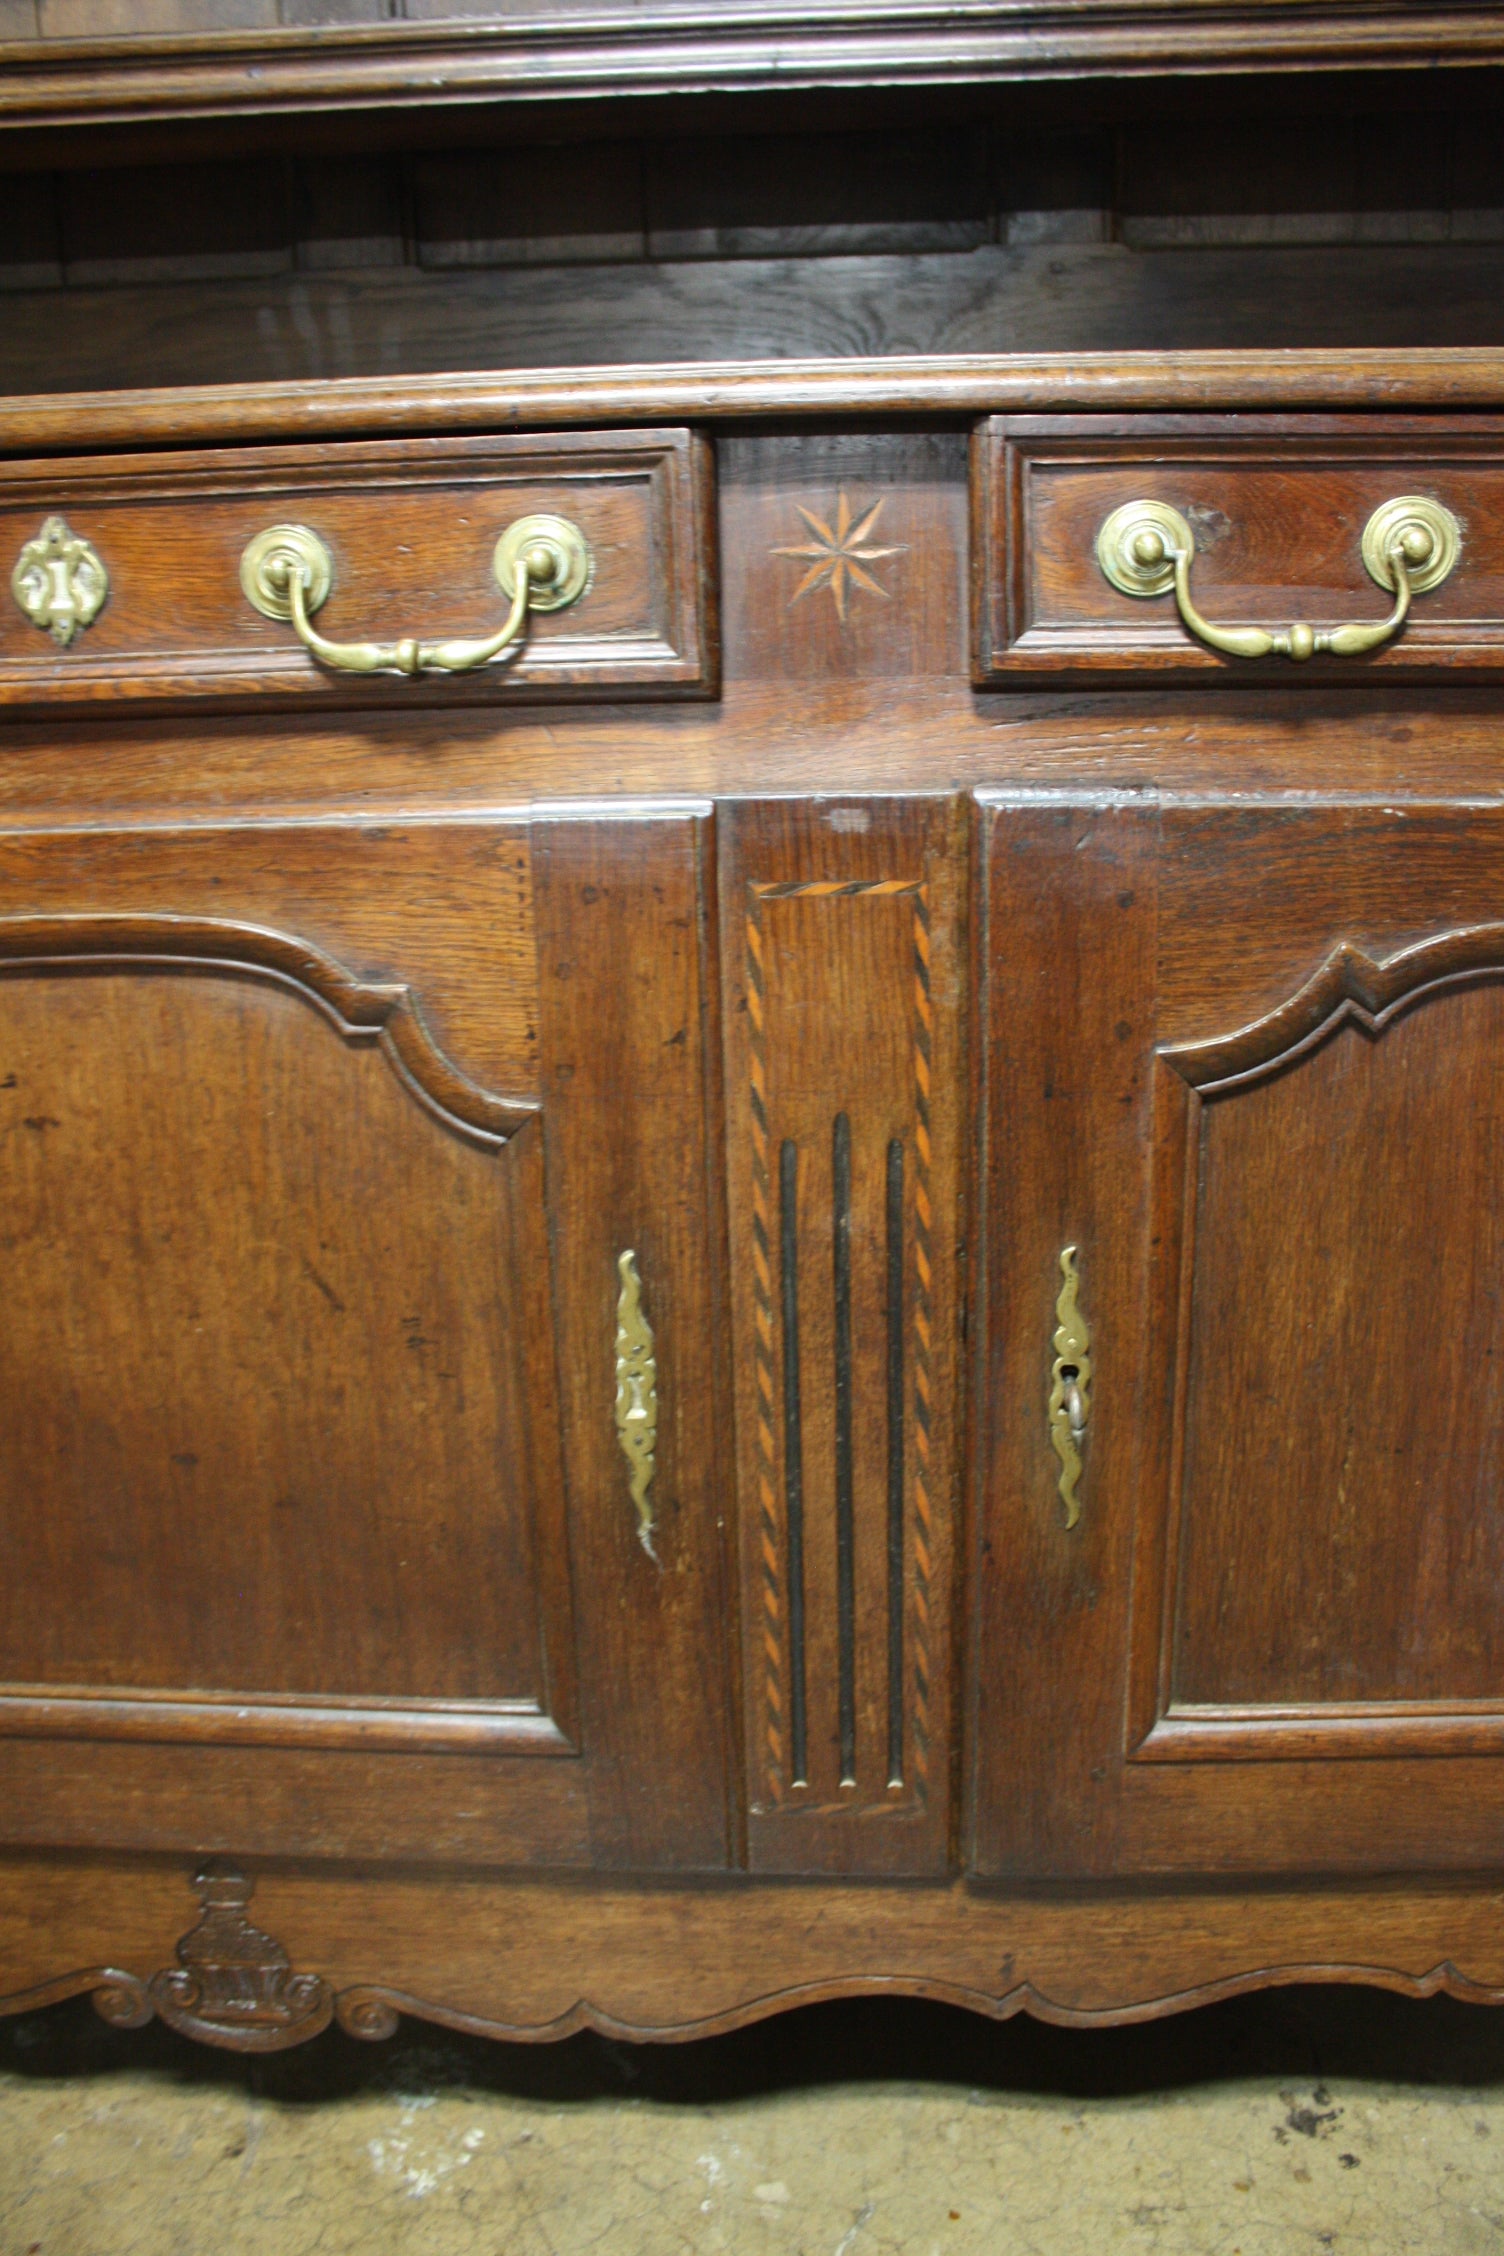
842, 1104
1332, 1556
1344, 1381
270, 1459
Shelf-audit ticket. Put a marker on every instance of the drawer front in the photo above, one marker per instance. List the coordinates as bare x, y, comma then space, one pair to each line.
410, 530
1275, 512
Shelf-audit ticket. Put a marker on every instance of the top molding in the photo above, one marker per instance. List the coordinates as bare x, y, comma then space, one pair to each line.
682, 47
1452, 379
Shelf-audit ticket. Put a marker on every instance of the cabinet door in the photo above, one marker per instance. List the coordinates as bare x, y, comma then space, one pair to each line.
321, 1147
1249, 1064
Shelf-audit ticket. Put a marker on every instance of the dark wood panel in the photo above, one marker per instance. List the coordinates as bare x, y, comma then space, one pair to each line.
1052, 297
411, 531
1275, 1405
1065, 965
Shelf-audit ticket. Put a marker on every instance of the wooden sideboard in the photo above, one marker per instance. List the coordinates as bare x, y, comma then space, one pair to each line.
793, 1290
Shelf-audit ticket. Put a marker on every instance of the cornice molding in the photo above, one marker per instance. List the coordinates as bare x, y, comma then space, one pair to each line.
1459, 379
679, 48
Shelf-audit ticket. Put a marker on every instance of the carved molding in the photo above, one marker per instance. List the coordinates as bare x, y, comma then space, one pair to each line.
388, 1015
372, 2011
1351, 985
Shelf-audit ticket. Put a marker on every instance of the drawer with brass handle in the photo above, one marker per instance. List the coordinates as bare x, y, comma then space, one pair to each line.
1294, 551
460, 569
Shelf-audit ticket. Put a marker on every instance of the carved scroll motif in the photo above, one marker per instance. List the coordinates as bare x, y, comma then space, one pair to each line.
232, 1986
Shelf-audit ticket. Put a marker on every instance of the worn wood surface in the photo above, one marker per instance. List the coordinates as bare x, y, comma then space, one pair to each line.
1263, 1219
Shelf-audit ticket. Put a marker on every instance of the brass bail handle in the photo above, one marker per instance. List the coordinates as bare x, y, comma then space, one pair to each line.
542, 563
1410, 545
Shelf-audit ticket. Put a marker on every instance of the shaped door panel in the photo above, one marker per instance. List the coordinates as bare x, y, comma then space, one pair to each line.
1253, 1072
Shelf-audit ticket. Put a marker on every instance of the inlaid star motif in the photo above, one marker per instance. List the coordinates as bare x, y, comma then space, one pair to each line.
838, 553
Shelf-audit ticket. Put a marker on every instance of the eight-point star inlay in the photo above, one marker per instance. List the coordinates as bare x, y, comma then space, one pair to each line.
838, 553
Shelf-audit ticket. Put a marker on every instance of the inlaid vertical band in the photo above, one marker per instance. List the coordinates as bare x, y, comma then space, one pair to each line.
769, 1566
845, 1481
924, 1516
793, 1454
896, 1376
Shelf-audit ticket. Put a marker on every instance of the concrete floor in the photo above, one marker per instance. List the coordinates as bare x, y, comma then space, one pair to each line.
1304, 2120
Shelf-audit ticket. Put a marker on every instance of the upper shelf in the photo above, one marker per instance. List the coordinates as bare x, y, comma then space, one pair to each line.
554, 49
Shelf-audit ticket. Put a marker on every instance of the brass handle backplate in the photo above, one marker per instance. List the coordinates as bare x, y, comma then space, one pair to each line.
1070, 1386
1410, 545
541, 564
636, 1395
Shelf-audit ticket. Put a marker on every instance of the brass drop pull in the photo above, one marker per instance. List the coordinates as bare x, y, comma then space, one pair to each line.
541, 563
1410, 545
1070, 1386
636, 1395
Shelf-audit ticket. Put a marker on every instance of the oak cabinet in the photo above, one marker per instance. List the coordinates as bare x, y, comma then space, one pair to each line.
691, 1328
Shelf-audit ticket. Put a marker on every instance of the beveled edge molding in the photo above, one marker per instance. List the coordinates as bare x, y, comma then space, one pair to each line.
745, 48
164, 1718
1289, 1731
963, 385
1351, 984
388, 1015
371, 2011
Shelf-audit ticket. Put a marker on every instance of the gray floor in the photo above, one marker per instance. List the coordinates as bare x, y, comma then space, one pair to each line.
1304, 2120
